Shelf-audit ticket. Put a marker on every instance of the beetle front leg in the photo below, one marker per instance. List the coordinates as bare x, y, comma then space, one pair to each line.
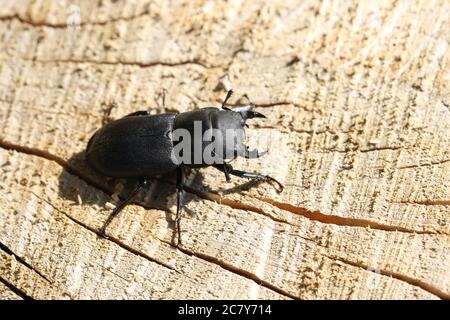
229, 94
249, 175
121, 206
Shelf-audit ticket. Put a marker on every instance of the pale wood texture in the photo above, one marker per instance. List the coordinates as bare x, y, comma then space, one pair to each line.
357, 97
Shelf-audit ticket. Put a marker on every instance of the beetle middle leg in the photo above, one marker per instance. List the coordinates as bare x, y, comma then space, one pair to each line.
142, 184
228, 169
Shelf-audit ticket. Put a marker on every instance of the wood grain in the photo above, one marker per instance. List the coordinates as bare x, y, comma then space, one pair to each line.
357, 100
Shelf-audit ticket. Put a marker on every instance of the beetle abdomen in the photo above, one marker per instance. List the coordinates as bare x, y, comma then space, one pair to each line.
133, 147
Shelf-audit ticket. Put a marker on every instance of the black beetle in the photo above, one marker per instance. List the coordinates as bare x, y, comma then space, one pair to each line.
141, 146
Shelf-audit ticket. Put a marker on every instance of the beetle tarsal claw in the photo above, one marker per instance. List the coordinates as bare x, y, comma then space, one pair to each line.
280, 185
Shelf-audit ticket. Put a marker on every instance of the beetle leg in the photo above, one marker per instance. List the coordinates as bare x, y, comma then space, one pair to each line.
229, 94
179, 195
122, 205
249, 175
227, 174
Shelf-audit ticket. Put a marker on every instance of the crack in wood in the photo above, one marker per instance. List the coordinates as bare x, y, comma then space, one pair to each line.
330, 150
126, 63
401, 277
412, 281
234, 204
22, 261
381, 149
30, 22
424, 165
231, 268
15, 289
426, 202
341, 221
347, 151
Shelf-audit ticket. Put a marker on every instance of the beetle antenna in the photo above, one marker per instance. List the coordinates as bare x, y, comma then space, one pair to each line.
229, 94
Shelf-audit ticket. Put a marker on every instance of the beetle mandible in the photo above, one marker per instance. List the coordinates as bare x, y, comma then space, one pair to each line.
141, 146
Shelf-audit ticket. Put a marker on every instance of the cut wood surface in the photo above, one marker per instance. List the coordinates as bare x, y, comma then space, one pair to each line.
357, 99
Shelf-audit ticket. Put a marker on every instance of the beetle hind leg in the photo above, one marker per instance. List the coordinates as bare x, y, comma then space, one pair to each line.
121, 206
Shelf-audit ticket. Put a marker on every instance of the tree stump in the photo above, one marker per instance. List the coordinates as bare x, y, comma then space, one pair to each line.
357, 100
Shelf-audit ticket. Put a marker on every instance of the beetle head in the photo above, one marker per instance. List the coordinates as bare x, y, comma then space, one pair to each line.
246, 113
232, 123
